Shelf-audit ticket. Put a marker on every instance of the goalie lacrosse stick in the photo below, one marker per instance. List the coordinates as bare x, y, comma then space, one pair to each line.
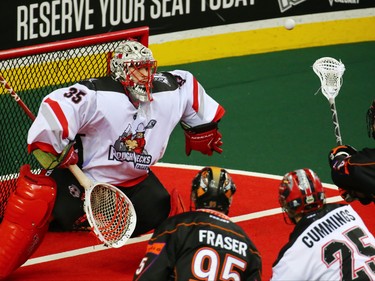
330, 72
109, 211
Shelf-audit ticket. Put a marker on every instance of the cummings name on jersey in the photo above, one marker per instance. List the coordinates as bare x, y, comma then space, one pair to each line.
327, 226
218, 240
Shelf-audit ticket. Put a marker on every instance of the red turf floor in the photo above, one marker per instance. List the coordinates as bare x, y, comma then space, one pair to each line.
254, 194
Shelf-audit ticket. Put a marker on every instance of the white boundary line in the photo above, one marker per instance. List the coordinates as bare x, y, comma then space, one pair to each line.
250, 216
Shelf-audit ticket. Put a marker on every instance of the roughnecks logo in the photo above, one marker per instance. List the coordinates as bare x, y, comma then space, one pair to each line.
130, 146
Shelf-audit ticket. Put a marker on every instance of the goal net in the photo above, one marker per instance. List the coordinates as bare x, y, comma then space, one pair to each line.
35, 71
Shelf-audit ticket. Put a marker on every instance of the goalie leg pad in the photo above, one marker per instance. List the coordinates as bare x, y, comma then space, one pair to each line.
26, 219
177, 205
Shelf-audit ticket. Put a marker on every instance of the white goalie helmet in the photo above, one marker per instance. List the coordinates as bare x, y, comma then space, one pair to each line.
128, 59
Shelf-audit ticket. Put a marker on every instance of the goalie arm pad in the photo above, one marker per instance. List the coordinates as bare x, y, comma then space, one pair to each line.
50, 161
204, 138
26, 219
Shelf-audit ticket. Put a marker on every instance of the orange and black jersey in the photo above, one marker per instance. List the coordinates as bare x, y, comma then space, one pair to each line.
357, 172
200, 245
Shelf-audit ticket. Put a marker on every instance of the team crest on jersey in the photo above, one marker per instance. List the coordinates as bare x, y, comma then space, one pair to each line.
130, 146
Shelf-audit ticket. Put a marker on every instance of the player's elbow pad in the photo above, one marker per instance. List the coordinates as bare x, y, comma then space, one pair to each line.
204, 138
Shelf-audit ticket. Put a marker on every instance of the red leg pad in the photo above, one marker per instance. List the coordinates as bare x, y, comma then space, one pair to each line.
25, 219
177, 205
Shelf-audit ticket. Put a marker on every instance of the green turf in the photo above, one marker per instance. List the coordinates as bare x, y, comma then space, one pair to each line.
274, 121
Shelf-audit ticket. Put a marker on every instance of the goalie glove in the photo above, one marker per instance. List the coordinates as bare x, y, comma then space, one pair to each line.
204, 138
50, 161
338, 155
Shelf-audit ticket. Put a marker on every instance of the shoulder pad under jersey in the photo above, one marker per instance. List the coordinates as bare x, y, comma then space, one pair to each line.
103, 84
164, 81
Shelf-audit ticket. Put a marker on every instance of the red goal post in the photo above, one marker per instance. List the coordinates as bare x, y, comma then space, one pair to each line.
35, 71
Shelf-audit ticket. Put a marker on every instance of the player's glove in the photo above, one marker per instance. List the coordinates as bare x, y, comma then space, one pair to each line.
69, 158
345, 194
50, 161
350, 196
338, 154
204, 138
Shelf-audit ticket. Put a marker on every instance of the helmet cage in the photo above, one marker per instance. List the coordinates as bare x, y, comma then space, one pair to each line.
300, 192
127, 65
370, 120
212, 188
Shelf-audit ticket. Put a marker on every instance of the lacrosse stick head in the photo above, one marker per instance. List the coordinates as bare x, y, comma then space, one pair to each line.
110, 213
330, 72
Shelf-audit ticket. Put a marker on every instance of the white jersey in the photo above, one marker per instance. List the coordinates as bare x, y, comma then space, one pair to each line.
120, 142
333, 244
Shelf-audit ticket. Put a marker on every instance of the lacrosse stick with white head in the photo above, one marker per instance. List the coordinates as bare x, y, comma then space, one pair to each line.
109, 211
330, 72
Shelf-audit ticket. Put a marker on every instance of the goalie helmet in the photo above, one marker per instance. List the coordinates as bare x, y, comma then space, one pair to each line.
301, 192
212, 188
370, 120
134, 66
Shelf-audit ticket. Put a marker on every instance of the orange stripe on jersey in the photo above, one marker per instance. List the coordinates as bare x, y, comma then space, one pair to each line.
155, 248
192, 224
60, 116
195, 95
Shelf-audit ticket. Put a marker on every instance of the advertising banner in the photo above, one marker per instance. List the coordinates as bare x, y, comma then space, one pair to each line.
32, 22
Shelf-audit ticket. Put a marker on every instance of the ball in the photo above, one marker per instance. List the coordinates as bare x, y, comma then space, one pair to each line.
289, 24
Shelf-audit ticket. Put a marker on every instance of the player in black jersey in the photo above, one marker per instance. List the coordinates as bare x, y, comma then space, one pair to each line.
329, 241
203, 244
354, 171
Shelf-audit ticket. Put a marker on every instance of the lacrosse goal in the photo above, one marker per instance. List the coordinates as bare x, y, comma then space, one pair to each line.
35, 71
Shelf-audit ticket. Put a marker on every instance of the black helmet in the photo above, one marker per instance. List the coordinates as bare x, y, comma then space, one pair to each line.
212, 188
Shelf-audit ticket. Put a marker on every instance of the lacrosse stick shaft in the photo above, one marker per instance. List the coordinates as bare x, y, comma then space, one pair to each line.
17, 98
76, 171
80, 176
335, 121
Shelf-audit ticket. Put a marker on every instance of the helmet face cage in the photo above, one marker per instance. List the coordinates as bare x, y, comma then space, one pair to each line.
212, 188
300, 192
370, 119
134, 66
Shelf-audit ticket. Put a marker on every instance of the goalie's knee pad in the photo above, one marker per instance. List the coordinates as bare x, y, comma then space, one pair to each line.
177, 205
26, 219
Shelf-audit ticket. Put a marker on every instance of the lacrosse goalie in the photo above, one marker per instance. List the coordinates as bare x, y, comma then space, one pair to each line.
93, 115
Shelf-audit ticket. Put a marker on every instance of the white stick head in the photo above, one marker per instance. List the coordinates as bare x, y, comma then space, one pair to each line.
330, 72
110, 213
